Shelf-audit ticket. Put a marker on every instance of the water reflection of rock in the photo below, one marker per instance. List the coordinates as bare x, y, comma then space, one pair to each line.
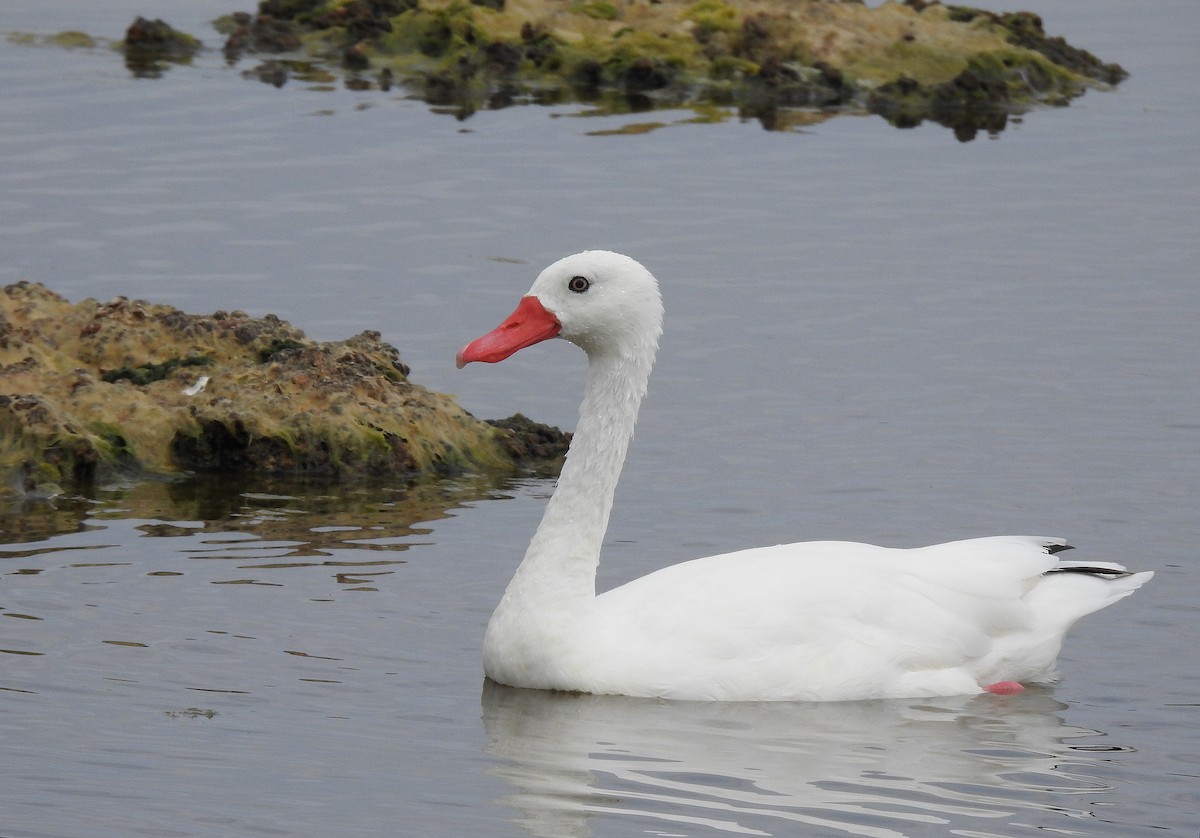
307, 520
878, 768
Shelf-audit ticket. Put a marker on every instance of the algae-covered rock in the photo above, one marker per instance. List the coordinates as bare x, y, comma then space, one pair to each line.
92, 389
784, 62
150, 45
918, 60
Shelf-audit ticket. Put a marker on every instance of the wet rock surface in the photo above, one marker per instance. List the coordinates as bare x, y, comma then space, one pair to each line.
91, 390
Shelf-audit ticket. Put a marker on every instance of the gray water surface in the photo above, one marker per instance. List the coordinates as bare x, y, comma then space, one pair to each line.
872, 334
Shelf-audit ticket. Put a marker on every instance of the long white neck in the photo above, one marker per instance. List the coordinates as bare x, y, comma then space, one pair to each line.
540, 633
559, 568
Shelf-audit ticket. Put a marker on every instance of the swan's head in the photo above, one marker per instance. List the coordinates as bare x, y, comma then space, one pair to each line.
601, 301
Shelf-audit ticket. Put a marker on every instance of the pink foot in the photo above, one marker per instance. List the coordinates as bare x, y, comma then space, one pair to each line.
1004, 688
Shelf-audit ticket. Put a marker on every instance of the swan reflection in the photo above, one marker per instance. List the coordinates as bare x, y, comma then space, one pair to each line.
875, 768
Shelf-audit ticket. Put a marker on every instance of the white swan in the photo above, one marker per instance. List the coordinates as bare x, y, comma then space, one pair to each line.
806, 621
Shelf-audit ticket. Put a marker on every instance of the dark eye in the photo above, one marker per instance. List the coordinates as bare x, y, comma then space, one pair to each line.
578, 284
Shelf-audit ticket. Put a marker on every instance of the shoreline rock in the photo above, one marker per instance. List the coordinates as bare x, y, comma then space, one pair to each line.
91, 390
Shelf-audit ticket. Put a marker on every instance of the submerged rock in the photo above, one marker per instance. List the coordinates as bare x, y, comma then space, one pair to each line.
92, 389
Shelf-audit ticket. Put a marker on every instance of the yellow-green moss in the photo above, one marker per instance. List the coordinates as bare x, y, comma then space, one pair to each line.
1019, 68
431, 32
924, 63
714, 16
70, 39
73, 39
600, 10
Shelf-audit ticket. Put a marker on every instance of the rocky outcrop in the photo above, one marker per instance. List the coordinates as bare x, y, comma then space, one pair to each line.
784, 62
90, 389
963, 67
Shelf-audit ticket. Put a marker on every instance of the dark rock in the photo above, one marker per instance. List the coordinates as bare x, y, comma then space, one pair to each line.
528, 441
150, 45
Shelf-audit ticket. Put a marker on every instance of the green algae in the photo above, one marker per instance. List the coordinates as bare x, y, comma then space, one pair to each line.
146, 373
277, 345
711, 16
599, 10
72, 39
905, 59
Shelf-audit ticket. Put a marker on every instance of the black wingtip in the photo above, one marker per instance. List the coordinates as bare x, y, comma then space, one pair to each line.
1103, 572
1057, 548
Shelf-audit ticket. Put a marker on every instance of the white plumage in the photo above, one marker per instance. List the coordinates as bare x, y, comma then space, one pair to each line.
805, 621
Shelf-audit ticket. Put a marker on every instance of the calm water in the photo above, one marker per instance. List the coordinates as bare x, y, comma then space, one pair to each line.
872, 334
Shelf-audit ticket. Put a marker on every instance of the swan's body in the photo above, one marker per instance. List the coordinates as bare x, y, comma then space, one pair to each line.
814, 620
